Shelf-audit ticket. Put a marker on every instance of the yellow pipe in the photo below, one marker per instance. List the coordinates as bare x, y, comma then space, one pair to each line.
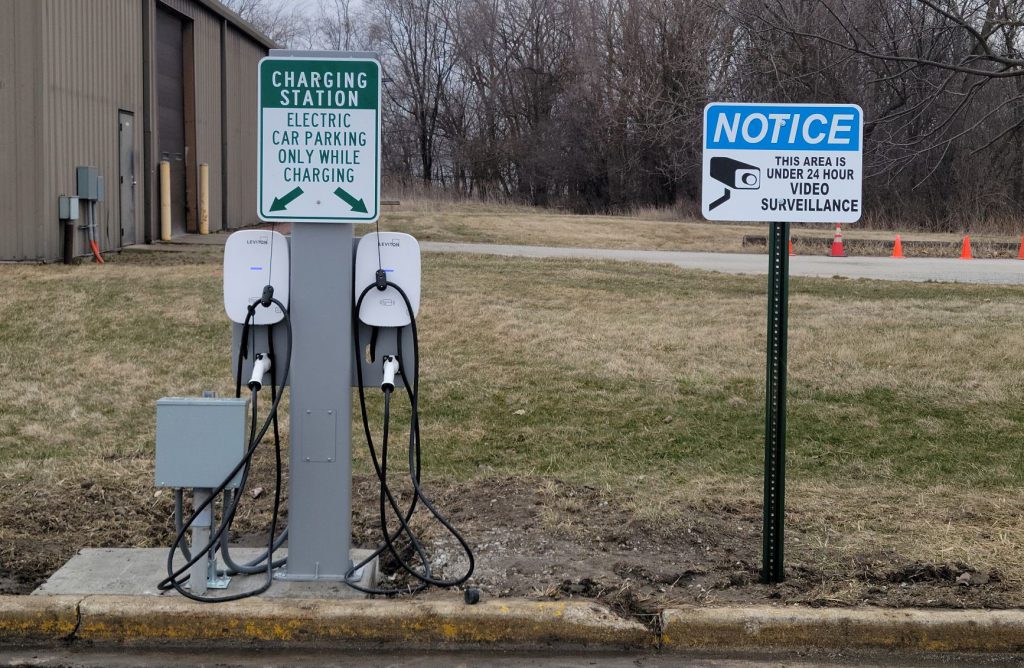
204, 198
165, 200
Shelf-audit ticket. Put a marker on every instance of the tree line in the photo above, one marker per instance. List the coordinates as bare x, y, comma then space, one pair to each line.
597, 105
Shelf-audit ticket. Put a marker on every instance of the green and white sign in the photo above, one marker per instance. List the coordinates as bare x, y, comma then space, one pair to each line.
319, 139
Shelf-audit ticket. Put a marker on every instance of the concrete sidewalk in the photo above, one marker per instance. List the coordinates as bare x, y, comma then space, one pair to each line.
946, 270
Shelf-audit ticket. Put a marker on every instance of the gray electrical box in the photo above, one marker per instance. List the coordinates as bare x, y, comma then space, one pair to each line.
67, 207
99, 188
199, 440
88, 182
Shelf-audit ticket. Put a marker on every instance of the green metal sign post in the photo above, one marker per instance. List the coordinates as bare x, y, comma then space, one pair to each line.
775, 404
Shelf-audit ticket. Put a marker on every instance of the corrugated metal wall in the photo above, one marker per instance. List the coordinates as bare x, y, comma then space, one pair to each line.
21, 155
242, 65
92, 65
66, 69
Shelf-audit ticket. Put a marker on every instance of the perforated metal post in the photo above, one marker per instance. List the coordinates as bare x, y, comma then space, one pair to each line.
775, 404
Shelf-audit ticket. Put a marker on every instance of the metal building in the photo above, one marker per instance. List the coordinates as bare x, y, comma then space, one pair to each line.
120, 85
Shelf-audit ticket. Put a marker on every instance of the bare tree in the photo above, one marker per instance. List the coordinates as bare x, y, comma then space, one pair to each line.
940, 81
284, 22
414, 38
335, 25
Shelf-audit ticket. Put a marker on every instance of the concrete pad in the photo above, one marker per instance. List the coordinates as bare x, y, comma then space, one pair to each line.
791, 627
137, 571
448, 622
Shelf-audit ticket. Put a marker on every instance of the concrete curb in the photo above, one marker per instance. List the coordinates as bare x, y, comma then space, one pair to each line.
430, 623
765, 627
33, 618
501, 623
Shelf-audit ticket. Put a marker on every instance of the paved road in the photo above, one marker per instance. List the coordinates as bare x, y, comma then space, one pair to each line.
997, 272
86, 657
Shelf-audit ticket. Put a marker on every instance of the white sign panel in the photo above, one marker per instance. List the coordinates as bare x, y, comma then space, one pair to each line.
800, 163
319, 139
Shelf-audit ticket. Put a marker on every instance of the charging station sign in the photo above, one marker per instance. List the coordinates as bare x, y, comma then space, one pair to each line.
319, 139
783, 162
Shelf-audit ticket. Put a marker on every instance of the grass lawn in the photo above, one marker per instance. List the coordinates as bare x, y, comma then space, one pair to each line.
607, 416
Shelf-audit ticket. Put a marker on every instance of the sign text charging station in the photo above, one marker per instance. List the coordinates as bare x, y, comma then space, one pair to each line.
319, 162
319, 139
781, 163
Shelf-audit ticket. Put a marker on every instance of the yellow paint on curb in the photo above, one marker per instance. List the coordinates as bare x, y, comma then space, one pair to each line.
511, 623
37, 617
832, 628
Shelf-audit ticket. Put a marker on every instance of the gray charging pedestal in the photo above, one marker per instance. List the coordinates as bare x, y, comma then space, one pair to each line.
320, 489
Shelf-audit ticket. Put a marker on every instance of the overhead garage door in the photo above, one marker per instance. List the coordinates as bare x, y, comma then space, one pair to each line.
170, 97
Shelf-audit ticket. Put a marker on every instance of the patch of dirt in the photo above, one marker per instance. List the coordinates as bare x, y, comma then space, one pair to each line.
546, 539
532, 537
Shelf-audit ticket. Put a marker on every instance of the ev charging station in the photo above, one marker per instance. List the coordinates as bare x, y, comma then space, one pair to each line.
318, 313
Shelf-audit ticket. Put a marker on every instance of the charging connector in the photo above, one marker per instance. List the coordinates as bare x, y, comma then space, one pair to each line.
390, 369
260, 366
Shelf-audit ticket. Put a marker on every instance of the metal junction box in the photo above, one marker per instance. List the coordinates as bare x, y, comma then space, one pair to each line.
199, 441
88, 184
67, 207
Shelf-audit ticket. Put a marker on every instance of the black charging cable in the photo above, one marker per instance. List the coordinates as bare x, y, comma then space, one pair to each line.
175, 579
387, 498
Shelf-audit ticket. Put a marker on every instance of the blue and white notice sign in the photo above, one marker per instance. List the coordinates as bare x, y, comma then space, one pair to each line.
800, 163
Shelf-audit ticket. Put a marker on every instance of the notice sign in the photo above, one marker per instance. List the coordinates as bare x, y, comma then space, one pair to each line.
800, 163
319, 139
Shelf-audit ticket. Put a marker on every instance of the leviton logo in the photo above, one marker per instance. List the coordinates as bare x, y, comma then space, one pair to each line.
394, 243
262, 242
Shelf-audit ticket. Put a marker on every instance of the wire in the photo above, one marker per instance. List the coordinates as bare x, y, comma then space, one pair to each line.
387, 498
174, 577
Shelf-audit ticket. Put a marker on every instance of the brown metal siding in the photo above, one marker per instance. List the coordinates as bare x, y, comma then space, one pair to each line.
21, 221
243, 57
92, 64
66, 68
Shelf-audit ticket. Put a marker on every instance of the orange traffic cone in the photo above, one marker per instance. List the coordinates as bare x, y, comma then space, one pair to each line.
965, 252
791, 247
837, 244
897, 248
1020, 253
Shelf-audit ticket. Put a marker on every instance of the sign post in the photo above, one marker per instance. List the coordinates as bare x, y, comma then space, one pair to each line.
319, 168
780, 163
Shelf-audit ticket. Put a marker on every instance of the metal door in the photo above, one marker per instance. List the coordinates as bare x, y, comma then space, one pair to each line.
126, 153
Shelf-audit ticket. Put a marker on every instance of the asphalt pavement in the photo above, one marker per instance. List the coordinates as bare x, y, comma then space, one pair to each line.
945, 270
87, 657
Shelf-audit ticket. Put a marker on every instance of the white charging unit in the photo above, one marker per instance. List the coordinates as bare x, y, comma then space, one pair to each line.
254, 259
398, 255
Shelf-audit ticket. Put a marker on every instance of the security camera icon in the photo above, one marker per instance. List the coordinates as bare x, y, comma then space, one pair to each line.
734, 174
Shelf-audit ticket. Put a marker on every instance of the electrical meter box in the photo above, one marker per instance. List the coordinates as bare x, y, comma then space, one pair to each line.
88, 182
199, 440
67, 207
